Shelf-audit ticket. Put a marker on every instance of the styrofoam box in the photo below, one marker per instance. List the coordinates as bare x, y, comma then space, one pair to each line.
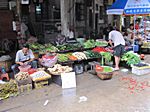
140, 71
68, 80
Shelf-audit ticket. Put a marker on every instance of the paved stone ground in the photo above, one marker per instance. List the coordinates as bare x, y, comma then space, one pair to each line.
102, 96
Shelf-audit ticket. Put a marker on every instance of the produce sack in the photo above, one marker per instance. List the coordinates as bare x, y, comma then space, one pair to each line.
49, 61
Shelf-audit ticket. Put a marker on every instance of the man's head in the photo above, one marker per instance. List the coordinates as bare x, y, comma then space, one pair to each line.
131, 26
25, 49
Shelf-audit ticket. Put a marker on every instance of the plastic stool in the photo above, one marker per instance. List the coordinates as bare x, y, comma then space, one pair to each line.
92, 64
5, 76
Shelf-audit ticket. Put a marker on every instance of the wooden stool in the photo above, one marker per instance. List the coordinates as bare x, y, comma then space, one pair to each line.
5, 76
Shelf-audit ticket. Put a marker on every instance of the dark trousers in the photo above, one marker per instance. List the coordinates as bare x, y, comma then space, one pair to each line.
16, 70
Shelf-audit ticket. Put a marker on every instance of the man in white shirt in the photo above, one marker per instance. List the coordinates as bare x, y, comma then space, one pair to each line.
24, 57
119, 43
70, 34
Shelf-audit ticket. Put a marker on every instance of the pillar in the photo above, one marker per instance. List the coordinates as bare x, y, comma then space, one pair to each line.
64, 16
18, 4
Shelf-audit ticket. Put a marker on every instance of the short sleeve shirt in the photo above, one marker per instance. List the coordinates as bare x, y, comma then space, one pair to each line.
20, 57
116, 37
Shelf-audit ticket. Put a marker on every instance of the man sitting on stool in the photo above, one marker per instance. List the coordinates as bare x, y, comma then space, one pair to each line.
24, 57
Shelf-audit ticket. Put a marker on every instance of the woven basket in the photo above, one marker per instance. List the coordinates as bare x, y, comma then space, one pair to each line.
6, 64
104, 76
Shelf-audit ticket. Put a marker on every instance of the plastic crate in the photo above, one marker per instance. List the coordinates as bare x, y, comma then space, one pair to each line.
138, 71
25, 88
24, 82
40, 84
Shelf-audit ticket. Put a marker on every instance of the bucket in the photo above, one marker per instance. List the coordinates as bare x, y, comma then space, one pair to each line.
135, 48
6, 64
79, 68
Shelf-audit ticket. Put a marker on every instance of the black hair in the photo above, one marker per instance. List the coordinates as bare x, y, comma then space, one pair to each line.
26, 46
131, 24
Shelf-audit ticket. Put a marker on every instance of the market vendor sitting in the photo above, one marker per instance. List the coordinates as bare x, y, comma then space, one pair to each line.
24, 57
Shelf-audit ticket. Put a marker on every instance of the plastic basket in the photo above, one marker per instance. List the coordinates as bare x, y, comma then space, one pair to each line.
49, 62
104, 76
24, 68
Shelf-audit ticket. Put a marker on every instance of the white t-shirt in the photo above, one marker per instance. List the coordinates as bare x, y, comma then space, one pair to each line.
116, 37
70, 34
20, 57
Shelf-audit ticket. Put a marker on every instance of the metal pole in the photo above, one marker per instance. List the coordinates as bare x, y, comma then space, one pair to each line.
134, 17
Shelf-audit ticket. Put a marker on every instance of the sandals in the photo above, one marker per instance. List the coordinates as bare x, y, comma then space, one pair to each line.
116, 69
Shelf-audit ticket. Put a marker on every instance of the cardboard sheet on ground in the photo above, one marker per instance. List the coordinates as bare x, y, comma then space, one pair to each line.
68, 80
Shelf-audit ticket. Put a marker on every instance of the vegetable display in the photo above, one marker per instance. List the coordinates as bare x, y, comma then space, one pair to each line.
89, 44
69, 47
40, 75
50, 48
131, 58
92, 43
36, 46
104, 69
8, 89
107, 56
79, 55
99, 49
91, 54
107, 69
63, 57
146, 45
43, 48
22, 76
101, 43
58, 69
73, 58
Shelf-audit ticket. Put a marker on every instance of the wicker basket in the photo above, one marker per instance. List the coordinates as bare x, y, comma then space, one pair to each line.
104, 76
6, 64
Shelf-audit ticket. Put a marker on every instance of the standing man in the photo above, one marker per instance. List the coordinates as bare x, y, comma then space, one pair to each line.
119, 44
24, 57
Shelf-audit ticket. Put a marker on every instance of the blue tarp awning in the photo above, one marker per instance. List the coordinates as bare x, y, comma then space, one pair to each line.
130, 7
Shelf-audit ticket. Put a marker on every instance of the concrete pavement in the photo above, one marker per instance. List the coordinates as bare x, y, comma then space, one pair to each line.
102, 96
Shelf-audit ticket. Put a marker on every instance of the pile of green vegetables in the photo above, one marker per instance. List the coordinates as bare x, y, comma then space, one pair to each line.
92, 43
107, 69
101, 43
8, 89
69, 47
36, 47
91, 54
131, 58
106, 55
63, 57
89, 43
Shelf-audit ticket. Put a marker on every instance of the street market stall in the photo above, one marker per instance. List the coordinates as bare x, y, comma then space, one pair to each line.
131, 8
60, 64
